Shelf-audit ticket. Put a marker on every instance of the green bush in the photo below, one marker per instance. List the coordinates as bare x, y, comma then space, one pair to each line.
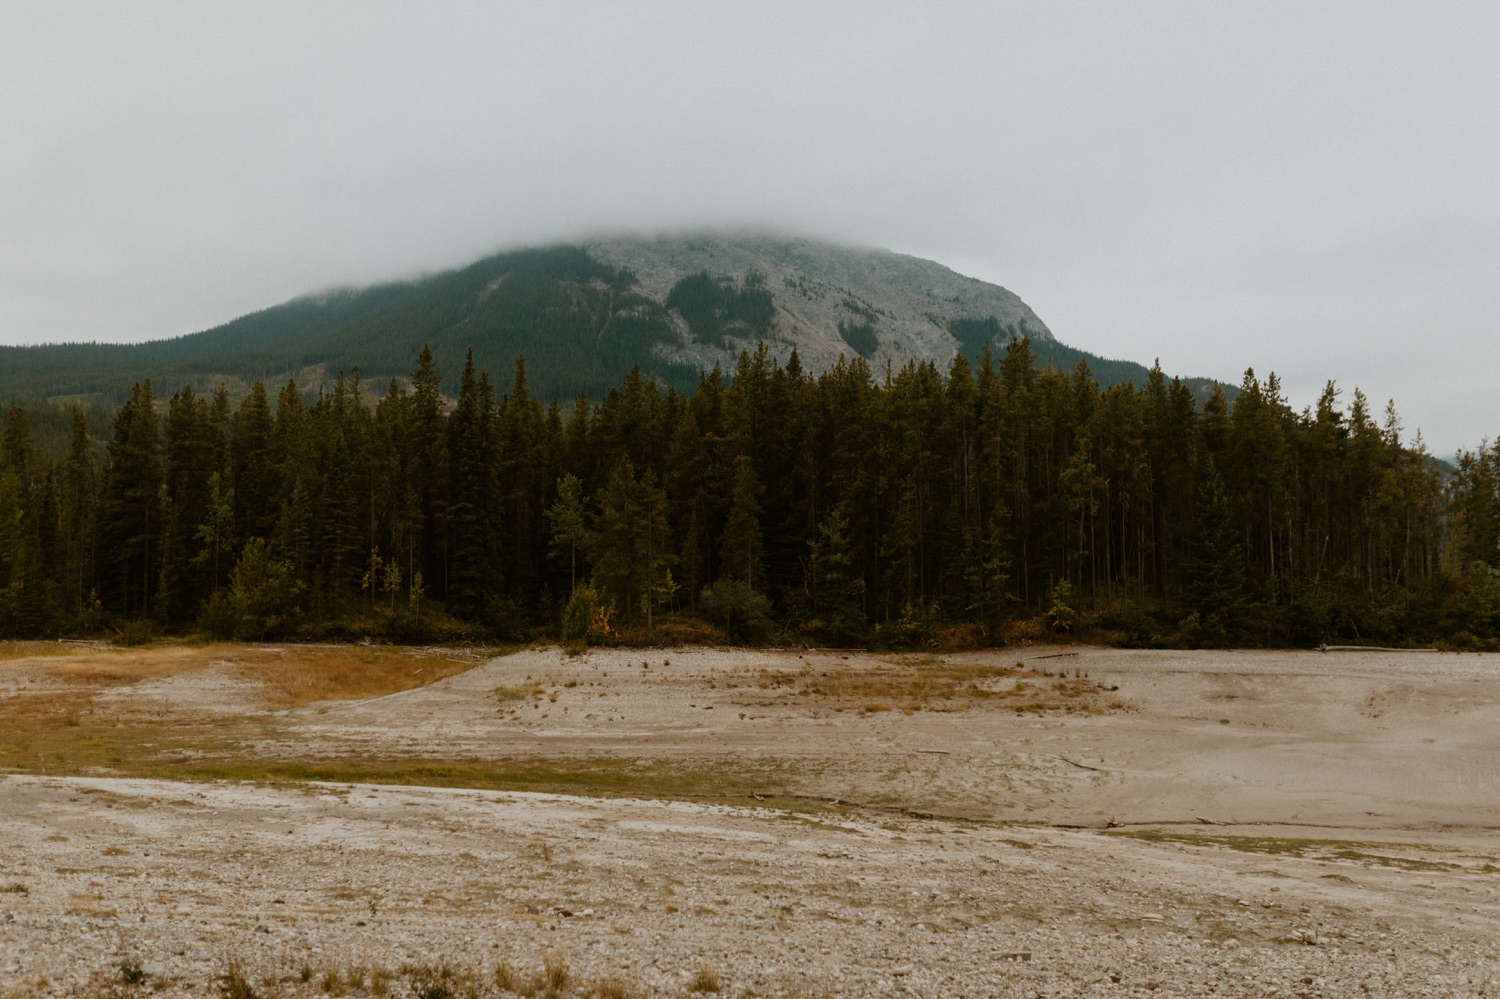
137, 632
219, 618
744, 614
266, 591
586, 620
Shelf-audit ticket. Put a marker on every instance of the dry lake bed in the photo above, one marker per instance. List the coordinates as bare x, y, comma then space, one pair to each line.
262, 821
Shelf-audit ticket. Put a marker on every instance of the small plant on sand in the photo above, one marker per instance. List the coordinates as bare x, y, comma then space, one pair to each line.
706, 980
437, 981
16, 888
556, 974
234, 982
613, 988
131, 972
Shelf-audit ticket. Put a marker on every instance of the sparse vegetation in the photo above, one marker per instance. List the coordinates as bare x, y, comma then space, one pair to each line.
705, 980
131, 972
932, 684
234, 981
1312, 849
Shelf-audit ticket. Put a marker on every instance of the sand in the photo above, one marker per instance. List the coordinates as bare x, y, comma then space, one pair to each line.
1199, 823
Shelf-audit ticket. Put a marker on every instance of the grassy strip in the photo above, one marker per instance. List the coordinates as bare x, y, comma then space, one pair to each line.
1309, 849
239, 977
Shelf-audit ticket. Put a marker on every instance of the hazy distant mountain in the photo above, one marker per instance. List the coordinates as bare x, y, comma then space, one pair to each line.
904, 308
582, 315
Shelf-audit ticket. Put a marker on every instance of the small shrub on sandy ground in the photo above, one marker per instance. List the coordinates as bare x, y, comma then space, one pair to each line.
435, 979
131, 972
557, 974
615, 987
441, 981
234, 982
706, 980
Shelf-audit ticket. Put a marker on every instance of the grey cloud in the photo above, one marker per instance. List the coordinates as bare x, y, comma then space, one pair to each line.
1305, 189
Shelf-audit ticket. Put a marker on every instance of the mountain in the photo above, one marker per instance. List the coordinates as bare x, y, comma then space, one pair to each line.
583, 315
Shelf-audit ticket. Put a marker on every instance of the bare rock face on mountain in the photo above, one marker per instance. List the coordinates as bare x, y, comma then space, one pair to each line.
826, 300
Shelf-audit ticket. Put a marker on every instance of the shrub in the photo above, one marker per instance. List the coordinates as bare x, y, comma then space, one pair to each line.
744, 614
913, 629
1061, 617
233, 982
586, 620
427, 981
265, 588
218, 618
706, 980
137, 632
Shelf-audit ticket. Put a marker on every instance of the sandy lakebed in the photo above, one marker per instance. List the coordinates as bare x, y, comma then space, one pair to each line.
1048, 821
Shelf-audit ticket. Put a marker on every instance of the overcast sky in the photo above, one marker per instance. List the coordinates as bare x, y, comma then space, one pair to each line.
1307, 188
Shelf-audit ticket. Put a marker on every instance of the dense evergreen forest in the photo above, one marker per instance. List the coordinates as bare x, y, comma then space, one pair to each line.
998, 502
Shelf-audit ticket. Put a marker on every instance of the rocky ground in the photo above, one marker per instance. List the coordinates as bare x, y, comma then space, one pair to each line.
1170, 824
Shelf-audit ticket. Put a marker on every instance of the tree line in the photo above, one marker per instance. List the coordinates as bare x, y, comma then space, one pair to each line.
998, 499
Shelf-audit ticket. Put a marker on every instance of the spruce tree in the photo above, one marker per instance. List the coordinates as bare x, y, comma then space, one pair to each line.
631, 544
569, 525
76, 514
132, 506
1214, 572
741, 552
426, 462
471, 577
837, 591
250, 454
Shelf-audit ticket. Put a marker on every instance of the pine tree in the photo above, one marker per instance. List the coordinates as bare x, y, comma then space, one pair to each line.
569, 525
215, 534
631, 543
1214, 573
741, 552
836, 589
338, 525
250, 456
78, 485
188, 445
986, 565
426, 462
471, 559
132, 505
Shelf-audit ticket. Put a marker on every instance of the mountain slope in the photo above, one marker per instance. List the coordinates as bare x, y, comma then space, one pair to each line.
582, 315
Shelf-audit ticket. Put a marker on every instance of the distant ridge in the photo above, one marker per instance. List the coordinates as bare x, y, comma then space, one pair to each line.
583, 315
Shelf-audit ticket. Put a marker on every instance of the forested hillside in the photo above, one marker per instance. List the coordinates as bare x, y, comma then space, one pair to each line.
850, 506
582, 316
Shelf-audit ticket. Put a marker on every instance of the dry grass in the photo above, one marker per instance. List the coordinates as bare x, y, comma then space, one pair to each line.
308, 674
288, 675
706, 980
69, 708
1326, 850
931, 684
10, 651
